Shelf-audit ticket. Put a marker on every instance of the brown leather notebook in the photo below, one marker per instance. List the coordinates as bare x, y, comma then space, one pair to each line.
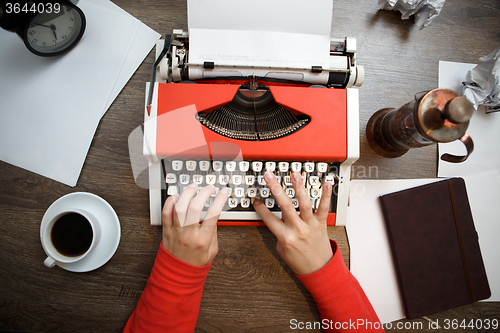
435, 247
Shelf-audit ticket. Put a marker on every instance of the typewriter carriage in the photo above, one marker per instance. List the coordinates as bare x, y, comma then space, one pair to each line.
342, 72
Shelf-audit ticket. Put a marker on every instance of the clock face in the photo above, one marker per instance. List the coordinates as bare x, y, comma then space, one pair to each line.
50, 34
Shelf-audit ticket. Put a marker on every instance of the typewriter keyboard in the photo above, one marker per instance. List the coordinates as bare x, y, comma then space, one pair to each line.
245, 182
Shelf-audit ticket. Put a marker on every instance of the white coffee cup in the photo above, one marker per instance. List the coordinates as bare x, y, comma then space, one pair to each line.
69, 236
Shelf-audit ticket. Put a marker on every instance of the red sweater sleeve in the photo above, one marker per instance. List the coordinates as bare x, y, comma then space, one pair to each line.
171, 299
341, 301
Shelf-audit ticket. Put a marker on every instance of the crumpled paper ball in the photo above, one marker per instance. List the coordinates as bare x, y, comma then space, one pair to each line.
424, 10
482, 83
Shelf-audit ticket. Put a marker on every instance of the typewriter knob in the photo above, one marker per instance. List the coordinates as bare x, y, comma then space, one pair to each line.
360, 76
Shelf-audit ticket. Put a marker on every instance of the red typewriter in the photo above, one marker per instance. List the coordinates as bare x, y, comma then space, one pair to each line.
214, 126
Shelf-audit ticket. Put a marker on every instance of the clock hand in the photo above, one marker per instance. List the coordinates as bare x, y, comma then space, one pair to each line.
53, 27
43, 25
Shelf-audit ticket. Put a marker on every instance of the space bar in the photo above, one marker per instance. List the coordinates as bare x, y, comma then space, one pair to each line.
241, 215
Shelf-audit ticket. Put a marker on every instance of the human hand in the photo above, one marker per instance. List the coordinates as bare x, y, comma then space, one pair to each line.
183, 236
302, 240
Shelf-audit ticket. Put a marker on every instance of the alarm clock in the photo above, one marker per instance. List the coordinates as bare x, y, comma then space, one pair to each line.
48, 28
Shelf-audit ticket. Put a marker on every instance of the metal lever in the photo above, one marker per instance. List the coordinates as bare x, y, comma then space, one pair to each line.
165, 51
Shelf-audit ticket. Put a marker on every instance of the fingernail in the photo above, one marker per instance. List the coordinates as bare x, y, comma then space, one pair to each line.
193, 185
223, 190
296, 177
210, 186
175, 198
327, 186
257, 202
269, 175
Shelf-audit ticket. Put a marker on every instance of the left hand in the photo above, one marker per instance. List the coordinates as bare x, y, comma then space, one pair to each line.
183, 236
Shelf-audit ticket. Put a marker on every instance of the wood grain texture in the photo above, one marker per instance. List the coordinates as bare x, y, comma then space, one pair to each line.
249, 287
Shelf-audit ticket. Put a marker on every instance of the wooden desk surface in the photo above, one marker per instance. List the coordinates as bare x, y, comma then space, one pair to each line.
249, 288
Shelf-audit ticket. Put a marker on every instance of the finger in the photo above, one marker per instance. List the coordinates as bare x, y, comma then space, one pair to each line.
181, 207
197, 204
286, 205
324, 203
213, 213
305, 205
272, 222
167, 212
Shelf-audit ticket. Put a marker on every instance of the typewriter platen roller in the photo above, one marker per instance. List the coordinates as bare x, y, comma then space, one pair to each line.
342, 72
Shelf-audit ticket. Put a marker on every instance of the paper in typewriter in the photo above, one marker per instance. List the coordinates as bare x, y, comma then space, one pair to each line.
268, 33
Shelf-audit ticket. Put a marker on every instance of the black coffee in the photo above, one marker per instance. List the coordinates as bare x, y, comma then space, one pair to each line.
72, 235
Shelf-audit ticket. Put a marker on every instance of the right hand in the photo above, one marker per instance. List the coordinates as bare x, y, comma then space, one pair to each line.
302, 240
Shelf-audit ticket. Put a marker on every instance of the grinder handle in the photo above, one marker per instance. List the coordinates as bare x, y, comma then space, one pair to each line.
469, 145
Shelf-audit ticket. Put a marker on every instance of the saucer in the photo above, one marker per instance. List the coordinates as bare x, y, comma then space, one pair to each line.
110, 228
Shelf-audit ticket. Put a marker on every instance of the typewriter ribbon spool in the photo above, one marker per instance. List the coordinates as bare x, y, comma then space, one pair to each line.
440, 115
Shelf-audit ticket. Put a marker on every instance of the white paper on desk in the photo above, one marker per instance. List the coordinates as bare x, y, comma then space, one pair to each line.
51, 106
369, 264
139, 47
280, 33
483, 129
370, 256
484, 195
